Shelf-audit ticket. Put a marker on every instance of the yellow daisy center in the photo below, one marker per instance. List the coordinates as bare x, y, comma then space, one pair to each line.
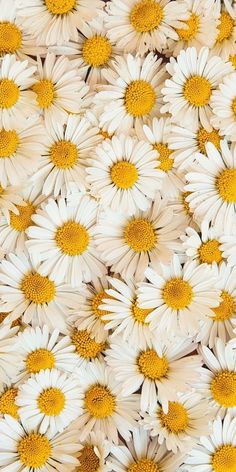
124, 174
140, 314
232, 59
8, 142
176, 420
152, 366
204, 136
177, 293
197, 91
226, 185
192, 28
140, 235
16, 322
144, 465
223, 388
89, 461
45, 92
72, 238
96, 302
105, 134
34, 450
85, 345
209, 252
22, 221
38, 288
225, 28
146, 15
97, 51
185, 204
60, 7
40, 359
234, 106
99, 401
7, 403
166, 162
10, 38
64, 154
139, 98
51, 401
226, 308
9, 93
224, 459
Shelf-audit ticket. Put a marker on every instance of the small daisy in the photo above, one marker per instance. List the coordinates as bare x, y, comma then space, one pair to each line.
87, 349
93, 453
133, 92
105, 409
203, 245
8, 349
224, 107
8, 406
159, 371
63, 238
123, 173
226, 30
10, 198
187, 94
228, 246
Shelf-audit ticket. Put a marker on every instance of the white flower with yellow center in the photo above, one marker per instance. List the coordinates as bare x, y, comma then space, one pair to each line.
87, 348
228, 246
212, 184
224, 107
159, 371
123, 173
38, 298
226, 31
63, 238
9, 199
8, 406
194, 76
133, 92
93, 453
105, 408
203, 244
129, 244
8, 347
24, 448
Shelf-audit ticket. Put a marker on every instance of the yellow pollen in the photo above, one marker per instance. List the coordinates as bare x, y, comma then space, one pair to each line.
224, 459
146, 15
225, 28
40, 359
96, 302
85, 345
144, 465
176, 420
9, 93
204, 136
89, 461
16, 322
72, 238
99, 401
209, 252
124, 174
60, 7
45, 92
140, 314
232, 59
64, 154
105, 134
185, 204
139, 98
140, 235
226, 308
38, 288
197, 91
226, 185
152, 366
34, 450
234, 106
192, 28
22, 221
8, 142
177, 293
97, 51
7, 403
166, 162
223, 388
10, 38
51, 401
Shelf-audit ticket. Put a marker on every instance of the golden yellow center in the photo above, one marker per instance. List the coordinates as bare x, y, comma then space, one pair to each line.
209, 252
225, 27
89, 461
60, 7
192, 28
96, 302
72, 238
197, 91
22, 221
85, 345
224, 459
14, 323
151, 365
226, 308
97, 51
226, 185
51, 401
185, 204
144, 465
64, 154
176, 420
45, 92
38, 288
140, 314
204, 136
7, 403
234, 106
99, 401
177, 293
166, 162
232, 59
8, 142
140, 235
9, 93
223, 388
139, 98
40, 359
34, 450
10, 38
105, 134
146, 15
124, 174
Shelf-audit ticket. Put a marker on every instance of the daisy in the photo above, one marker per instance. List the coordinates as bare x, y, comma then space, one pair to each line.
17, 103
105, 409
94, 117
93, 453
212, 184
158, 371
188, 92
123, 173
228, 246
8, 348
87, 348
226, 30
179, 296
38, 298
24, 448
203, 245
129, 244
10, 198
8, 406
63, 238
182, 210
133, 92
224, 107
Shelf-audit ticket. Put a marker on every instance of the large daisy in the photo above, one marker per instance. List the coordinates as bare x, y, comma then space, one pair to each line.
8, 358
224, 107
226, 29
87, 348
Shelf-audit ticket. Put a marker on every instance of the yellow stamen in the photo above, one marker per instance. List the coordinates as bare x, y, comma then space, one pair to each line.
140, 235
89, 461
176, 419
226, 185
139, 98
7, 403
99, 401
124, 174
22, 221
97, 51
85, 345
185, 204
177, 293
164, 153
72, 238
146, 15
51, 401
204, 136
8, 143
140, 314
232, 59
209, 252
152, 366
234, 106
45, 92
224, 459
60, 7
223, 388
9, 93
34, 450
197, 91
96, 302
225, 27
38, 288
40, 359
64, 154
192, 28
226, 308
10, 38
144, 465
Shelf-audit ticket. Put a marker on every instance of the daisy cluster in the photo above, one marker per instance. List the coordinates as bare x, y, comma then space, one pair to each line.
117, 235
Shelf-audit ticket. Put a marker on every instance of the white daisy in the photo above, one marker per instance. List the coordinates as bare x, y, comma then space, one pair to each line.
203, 245
8, 357
226, 30
182, 210
94, 116
63, 238
123, 173
228, 246
93, 453
87, 348
224, 107
8, 406
9, 199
